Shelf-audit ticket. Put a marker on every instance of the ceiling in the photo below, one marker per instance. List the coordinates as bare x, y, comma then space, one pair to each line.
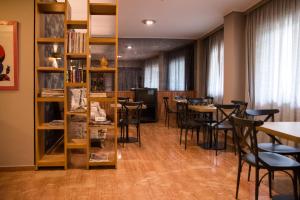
176, 19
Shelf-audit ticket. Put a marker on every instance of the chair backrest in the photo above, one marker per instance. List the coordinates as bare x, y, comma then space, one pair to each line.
241, 112
135, 108
182, 109
225, 111
197, 101
122, 100
246, 136
210, 100
268, 113
166, 103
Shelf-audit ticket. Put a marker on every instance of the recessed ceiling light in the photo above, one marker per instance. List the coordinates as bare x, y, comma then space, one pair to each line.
119, 56
129, 47
148, 22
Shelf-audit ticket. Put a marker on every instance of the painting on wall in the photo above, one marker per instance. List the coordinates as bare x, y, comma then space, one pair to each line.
9, 55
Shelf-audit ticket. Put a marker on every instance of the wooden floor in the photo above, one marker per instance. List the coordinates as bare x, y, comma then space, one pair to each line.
160, 170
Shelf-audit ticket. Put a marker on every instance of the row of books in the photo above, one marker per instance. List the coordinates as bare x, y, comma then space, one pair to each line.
76, 74
76, 42
47, 92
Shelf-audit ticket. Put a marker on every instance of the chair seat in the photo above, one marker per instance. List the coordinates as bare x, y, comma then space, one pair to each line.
278, 148
272, 160
222, 126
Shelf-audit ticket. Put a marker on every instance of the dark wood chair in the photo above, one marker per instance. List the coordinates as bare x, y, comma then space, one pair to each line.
133, 112
275, 145
210, 100
248, 152
187, 121
168, 111
224, 112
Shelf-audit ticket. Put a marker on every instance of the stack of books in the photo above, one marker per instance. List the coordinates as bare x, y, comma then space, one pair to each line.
76, 74
76, 42
56, 123
99, 157
98, 94
47, 92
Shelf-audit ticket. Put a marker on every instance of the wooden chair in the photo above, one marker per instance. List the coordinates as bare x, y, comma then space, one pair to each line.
168, 111
186, 121
133, 117
275, 145
224, 112
248, 152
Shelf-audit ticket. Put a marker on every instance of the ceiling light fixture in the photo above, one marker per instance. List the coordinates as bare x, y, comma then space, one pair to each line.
129, 47
148, 22
119, 56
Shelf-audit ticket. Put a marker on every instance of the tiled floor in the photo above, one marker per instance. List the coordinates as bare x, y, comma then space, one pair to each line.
160, 170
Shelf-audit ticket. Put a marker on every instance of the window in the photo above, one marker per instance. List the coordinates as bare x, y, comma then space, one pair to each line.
177, 73
273, 41
151, 79
215, 85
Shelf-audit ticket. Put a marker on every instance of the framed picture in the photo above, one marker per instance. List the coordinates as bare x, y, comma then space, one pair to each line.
9, 55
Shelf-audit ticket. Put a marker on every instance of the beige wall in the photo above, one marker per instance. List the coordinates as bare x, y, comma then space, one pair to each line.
234, 57
16, 107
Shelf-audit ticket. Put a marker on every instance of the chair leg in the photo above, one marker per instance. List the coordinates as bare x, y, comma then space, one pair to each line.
225, 140
238, 179
168, 120
140, 143
197, 136
295, 184
270, 183
180, 135
192, 134
256, 183
186, 132
166, 116
233, 142
249, 172
216, 141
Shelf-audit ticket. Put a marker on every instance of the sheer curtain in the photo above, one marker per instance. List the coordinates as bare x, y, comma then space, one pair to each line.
273, 57
151, 77
215, 66
177, 73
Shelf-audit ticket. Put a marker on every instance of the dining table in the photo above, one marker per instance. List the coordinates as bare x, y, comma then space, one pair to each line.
285, 130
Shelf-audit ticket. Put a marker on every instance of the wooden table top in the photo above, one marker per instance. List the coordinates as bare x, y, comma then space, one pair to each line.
286, 130
180, 100
201, 108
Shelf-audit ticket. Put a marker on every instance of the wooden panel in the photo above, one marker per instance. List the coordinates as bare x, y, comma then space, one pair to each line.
51, 8
102, 9
103, 41
77, 24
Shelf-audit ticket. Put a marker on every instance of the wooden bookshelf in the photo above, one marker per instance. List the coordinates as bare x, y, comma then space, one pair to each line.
61, 151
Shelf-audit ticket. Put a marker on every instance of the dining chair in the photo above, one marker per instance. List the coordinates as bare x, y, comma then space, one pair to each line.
186, 121
248, 152
275, 145
242, 107
133, 112
223, 114
210, 100
168, 111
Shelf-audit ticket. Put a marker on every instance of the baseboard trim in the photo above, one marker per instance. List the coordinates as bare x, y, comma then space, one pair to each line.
17, 168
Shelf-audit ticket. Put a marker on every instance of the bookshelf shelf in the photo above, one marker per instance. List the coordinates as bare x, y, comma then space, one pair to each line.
69, 84
103, 9
102, 41
102, 99
52, 160
83, 114
95, 69
49, 69
50, 40
77, 144
76, 24
76, 56
51, 8
47, 126
50, 99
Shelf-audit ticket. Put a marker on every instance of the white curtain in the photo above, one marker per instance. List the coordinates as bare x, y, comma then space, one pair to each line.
215, 66
273, 58
177, 73
151, 79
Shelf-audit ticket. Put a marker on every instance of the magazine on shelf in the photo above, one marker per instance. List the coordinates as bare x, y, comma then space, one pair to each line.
99, 157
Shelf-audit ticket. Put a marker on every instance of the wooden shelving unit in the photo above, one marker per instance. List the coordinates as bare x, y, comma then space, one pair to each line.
59, 154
